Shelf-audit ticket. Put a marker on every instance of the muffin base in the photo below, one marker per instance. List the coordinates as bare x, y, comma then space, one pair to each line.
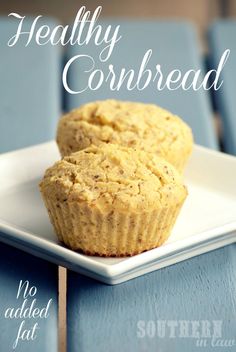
113, 234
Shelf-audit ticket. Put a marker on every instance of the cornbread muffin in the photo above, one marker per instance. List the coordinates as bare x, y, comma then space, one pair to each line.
112, 200
144, 126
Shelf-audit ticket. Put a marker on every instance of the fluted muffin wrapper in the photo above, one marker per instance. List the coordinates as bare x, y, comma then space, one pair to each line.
88, 229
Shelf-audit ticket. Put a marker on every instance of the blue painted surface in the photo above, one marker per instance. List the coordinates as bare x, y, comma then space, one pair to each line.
222, 36
29, 109
174, 45
100, 317
104, 318
16, 265
29, 89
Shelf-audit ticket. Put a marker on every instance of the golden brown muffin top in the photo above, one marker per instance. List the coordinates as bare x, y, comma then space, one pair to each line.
137, 125
114, 176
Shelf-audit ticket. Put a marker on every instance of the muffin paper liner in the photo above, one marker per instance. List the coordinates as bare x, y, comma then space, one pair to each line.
88, 229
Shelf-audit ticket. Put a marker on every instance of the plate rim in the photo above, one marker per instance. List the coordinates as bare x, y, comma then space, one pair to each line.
30, 240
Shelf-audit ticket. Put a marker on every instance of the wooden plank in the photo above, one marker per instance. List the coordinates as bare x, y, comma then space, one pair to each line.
174, 45
29, 108
114, 318
221, 37
17, 266
29, 88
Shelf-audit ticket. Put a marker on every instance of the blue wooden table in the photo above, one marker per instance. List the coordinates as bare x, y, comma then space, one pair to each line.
99, 315
19, 272
123, 317
221, 37
30, 104
126, 317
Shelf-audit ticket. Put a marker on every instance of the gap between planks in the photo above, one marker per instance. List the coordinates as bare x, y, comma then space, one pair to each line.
62, 284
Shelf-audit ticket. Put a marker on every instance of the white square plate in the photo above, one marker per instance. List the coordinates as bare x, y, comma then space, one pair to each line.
207, 220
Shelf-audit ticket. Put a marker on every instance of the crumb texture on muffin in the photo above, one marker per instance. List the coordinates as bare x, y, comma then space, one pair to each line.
115, 175
137, 125
111, 200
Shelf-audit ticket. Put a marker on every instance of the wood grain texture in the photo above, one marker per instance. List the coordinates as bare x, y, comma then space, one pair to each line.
104, 318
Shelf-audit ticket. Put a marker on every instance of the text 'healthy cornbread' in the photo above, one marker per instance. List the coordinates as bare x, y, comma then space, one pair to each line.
111, 200
137, 125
